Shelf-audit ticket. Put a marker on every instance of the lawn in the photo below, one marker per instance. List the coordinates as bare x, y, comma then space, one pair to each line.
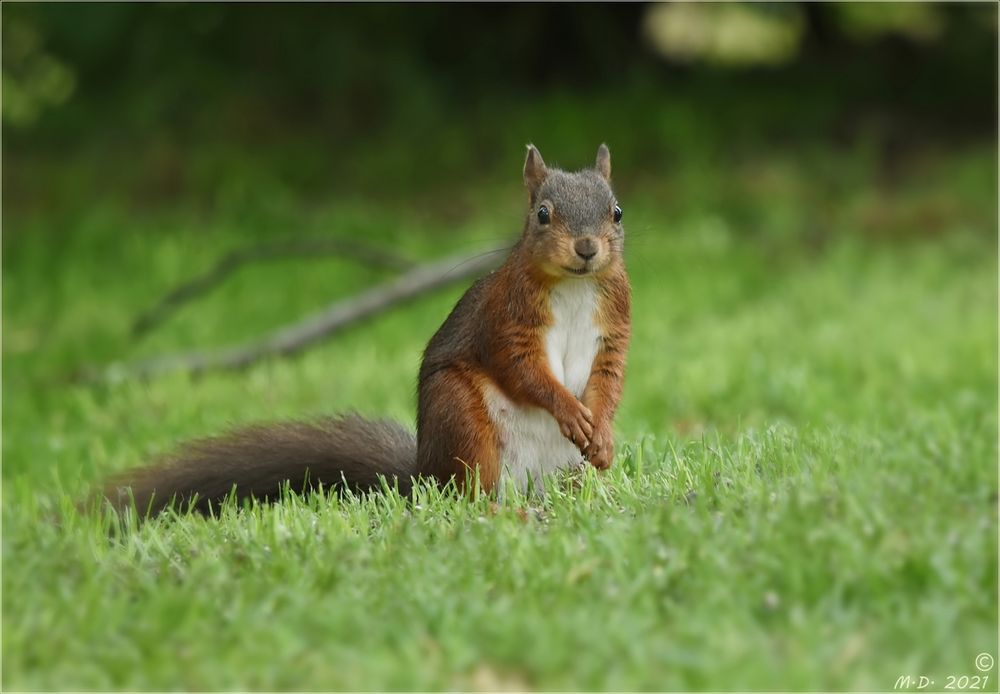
804, 496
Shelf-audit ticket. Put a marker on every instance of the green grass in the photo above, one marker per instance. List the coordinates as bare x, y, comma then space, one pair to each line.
805, 494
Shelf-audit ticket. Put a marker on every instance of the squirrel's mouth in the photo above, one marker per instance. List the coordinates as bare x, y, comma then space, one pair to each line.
585, 270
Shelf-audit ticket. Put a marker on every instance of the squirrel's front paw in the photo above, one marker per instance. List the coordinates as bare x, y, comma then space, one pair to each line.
601, 450
576, 423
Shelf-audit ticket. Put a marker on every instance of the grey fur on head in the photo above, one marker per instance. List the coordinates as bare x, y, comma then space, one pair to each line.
583, 198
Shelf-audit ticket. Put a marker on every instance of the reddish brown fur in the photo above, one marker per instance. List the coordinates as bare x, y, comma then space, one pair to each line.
457, 438
502, 346
494, 337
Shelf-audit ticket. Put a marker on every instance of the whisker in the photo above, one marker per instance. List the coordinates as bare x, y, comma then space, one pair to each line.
505, 249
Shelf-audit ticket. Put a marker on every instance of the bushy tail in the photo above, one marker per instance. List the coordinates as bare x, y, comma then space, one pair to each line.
258, 460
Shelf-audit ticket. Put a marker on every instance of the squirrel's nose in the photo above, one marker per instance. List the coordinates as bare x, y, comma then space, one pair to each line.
586, 248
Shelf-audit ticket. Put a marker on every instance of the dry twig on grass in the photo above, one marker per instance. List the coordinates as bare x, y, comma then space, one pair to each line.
269, 251
289, 339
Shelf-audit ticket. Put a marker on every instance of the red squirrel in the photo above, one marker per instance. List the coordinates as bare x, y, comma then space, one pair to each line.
523, 378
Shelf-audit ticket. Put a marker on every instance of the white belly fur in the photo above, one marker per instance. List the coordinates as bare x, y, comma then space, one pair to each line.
530, 441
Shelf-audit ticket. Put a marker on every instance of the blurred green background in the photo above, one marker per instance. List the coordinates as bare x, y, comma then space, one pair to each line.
184, 104
221, 126
810, 196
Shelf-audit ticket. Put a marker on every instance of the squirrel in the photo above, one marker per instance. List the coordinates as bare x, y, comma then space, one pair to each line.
522, 379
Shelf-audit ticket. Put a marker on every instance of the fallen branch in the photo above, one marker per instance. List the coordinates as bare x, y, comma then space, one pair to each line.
269, 251
293, 338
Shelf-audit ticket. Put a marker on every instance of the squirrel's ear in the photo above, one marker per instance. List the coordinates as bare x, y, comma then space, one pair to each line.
603, 165
534, 169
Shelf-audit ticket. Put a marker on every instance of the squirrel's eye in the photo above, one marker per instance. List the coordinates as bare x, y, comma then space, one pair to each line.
543, 215
618, 214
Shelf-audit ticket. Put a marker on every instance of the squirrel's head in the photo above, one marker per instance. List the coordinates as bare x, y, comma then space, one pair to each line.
574, 225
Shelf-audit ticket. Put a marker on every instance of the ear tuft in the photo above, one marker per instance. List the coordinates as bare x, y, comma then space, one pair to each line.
603, 165
534, 169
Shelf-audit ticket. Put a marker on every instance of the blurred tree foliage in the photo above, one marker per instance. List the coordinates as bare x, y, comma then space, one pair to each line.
457, 83
726, 33
359, 62
737, 34
32, 78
